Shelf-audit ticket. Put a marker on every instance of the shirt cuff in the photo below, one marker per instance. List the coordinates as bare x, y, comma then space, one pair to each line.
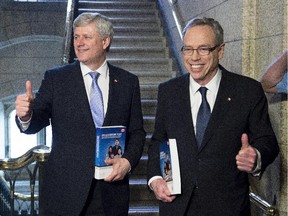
257, 170
25, 124
152, 179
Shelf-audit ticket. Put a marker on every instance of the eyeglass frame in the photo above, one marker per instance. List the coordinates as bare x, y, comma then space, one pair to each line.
209, 49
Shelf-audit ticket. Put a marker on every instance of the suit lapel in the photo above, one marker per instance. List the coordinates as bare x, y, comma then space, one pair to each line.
114, 89
80, 92
184, 115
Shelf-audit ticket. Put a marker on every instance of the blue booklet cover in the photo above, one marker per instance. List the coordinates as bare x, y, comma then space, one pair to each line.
169, 165
110, 143
165, 161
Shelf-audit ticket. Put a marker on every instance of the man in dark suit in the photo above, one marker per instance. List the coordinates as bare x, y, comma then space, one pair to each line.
238, 140
69, 187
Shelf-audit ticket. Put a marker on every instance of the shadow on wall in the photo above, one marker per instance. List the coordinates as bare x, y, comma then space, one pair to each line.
27, 58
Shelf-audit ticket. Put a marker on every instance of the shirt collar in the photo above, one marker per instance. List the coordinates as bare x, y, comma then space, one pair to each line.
103, 69
213, 85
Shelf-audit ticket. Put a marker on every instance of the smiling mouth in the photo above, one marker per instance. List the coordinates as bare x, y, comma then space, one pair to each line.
81, 50
196, 66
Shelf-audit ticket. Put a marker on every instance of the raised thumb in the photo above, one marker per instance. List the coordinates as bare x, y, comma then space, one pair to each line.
29, 92
244, 140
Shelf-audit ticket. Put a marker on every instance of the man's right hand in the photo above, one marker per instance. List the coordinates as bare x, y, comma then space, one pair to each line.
162, 191
23, 103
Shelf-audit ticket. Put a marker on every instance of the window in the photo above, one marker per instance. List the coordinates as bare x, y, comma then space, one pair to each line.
19, 143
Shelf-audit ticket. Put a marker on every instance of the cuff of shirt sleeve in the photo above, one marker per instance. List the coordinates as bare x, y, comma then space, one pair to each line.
257, 171
25, 124
152, 179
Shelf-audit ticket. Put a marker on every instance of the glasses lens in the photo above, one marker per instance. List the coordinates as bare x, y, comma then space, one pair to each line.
203, 51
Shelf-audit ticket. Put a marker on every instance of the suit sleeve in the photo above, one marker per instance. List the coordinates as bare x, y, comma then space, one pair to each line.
261, 133
158, 136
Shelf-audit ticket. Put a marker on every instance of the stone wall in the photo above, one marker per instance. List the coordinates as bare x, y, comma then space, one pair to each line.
31, 41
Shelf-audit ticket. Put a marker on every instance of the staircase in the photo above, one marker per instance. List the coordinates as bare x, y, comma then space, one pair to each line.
139, 46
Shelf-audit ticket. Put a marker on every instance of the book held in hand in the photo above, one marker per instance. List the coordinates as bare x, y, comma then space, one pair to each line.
169, 165
110, 143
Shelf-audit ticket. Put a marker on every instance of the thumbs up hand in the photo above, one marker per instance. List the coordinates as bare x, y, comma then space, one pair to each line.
23, 103
247, 156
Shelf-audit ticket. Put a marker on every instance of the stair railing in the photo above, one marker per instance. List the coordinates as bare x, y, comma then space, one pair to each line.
177, 17
14, 166
260, 203
70, 14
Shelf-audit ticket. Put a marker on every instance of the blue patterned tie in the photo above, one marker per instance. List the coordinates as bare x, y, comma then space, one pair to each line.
202, 117
96, 101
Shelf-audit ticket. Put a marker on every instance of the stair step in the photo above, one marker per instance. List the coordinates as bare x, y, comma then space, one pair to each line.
149, 122
148, 91
138, 31
136, 21
122, 0
149, 106
138, 52
145, 64
144, 210
115, 13
154, 77
141, 169
139, 191
132, 40
117, 4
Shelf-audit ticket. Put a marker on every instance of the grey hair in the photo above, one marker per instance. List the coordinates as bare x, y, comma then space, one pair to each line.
216, 27
103, 25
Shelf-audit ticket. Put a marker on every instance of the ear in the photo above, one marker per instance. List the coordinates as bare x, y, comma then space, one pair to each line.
106, 42
221, 51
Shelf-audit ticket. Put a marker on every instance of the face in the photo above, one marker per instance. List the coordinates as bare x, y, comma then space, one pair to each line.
202, 68
89, 46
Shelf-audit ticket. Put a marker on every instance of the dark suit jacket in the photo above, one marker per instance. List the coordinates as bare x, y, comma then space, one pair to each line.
240, 107
69, 172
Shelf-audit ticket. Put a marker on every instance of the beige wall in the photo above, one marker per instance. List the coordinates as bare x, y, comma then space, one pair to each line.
255, 34
264, 38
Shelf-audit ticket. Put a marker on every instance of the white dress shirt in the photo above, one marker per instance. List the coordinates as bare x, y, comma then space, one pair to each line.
103, 81
196, 98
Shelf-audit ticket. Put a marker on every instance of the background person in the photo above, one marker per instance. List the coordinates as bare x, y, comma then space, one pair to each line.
274, 79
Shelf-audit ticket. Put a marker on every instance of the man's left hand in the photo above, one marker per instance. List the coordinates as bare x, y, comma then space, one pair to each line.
121, 167
246, 158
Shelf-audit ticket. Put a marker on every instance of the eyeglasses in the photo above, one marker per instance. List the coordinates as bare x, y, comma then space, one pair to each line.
186, 50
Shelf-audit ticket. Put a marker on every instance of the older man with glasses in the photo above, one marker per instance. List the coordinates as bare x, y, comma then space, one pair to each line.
222, 129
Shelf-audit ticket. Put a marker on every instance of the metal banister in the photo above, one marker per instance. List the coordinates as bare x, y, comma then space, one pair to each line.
71, 4
263, 205
38, 153
13, 167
